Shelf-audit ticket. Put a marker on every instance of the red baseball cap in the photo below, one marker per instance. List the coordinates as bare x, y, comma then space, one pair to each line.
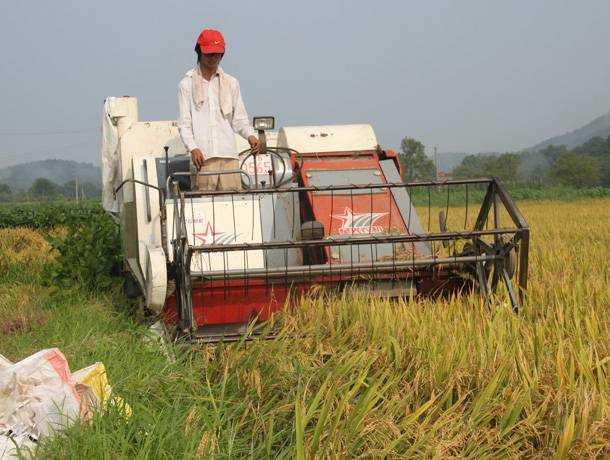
211, 41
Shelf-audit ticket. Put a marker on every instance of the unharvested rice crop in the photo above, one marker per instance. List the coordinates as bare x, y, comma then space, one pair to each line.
350, 377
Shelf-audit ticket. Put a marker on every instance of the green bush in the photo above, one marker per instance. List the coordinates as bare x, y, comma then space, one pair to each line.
46, 215
88, 256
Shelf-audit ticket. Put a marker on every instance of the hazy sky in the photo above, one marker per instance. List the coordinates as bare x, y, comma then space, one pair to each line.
464, 75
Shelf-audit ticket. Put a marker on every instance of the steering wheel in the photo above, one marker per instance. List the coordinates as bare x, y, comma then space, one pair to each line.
272, 151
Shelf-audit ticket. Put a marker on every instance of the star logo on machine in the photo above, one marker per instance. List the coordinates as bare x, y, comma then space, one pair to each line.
212, 237
359, 224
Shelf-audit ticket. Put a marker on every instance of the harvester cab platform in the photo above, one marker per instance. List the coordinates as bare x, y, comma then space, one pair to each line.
319, 206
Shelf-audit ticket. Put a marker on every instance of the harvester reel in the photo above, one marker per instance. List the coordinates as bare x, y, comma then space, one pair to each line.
488, 274
184, 298
442, 224
511, 259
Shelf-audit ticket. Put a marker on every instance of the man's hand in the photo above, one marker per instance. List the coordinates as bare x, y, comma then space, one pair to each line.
254, 145
197, 158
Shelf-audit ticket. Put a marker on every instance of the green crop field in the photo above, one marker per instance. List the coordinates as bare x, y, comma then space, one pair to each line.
366, 378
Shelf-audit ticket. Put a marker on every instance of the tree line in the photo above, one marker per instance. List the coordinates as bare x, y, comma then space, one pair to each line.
45, 189
587, 165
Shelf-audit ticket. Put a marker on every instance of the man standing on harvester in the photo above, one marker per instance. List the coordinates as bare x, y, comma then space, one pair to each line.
211, 111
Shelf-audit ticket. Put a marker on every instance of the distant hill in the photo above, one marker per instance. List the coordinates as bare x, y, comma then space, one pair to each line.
598, 127
59, 171
449, 160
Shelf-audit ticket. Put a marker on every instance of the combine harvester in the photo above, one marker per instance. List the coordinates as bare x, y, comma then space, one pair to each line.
320, 206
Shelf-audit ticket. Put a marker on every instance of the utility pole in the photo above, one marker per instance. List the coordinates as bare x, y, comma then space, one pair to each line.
76, 189
436, 163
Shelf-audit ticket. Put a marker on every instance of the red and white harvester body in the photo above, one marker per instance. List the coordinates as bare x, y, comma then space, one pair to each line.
322, 206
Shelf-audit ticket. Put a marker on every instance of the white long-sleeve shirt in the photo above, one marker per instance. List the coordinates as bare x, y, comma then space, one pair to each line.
207, 129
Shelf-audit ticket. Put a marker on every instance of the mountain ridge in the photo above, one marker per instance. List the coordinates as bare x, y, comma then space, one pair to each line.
23, 175
598, 127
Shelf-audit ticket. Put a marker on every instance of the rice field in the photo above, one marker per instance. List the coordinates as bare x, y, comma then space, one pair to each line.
366, 379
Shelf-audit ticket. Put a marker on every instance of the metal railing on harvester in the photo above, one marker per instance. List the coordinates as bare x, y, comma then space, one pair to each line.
481, 250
